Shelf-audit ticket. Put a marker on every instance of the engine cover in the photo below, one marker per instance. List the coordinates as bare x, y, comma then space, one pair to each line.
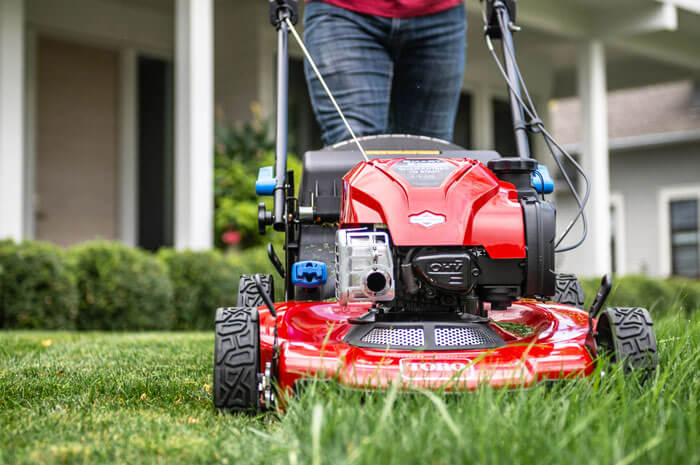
449, 271
435, 202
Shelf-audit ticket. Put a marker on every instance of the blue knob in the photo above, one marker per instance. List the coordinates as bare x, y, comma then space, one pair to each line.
309, 274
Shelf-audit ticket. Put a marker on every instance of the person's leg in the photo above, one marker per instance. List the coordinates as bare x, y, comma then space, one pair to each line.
429, 56
350, 52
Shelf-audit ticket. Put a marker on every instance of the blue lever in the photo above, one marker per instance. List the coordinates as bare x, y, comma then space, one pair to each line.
266, 182
309, 274
546, 179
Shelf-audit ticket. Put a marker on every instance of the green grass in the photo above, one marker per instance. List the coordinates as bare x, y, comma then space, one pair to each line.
143, 398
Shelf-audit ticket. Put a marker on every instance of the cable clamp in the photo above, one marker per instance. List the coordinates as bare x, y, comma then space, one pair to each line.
535, 125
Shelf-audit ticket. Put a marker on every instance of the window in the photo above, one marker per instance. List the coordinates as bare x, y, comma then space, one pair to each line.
304, 132
155, 153
463, 122
685, 243
618, 233
503, 135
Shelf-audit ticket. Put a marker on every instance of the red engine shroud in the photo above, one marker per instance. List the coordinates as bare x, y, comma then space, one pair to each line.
478, 209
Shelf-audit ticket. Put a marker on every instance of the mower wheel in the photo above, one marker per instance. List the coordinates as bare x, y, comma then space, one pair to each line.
237, 359
627, 334
569, 291
248, 294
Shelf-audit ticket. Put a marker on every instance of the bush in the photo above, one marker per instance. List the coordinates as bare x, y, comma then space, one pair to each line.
36, 289
202, 281
121, 288
255, 260
241, 149
660, 296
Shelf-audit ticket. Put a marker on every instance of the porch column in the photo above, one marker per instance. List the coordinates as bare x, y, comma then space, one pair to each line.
194, 125
482, 118
12, 152
594, 151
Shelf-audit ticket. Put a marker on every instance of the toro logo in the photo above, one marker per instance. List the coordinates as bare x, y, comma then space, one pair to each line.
412, 369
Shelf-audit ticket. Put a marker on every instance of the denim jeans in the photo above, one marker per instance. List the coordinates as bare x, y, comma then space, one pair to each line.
388, 75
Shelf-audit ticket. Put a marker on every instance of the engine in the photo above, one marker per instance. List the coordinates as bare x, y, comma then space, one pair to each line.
443, 235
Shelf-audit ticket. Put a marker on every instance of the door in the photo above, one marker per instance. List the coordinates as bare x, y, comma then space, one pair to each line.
76, 157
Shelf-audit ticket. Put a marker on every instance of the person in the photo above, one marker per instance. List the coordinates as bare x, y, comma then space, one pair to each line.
394, 66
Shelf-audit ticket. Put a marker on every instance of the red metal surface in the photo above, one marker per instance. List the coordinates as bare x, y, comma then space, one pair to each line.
311, 344
479, 209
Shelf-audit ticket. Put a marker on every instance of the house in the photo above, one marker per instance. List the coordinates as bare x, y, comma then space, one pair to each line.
654, 146
107, 106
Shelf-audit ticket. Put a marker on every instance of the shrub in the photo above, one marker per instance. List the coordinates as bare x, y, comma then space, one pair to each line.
660, 296
686, 293
202, 281
255, 260
36, 289
241, 149
121, 288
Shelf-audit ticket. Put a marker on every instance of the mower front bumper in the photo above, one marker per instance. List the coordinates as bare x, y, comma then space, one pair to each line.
311, 337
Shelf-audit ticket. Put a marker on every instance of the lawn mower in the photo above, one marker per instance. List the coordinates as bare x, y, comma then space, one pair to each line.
411, 261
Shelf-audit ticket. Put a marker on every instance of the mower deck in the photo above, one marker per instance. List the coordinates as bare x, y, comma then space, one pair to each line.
312, 340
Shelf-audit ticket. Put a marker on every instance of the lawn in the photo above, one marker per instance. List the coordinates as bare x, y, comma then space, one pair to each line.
145, 397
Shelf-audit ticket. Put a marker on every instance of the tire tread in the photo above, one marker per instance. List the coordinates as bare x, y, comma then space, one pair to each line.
633, 337
569, 291
236, 359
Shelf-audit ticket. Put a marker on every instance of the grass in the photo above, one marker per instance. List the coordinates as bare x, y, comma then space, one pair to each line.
144, 398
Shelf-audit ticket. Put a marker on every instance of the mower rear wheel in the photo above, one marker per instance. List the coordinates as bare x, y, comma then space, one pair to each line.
627, 335
237, 359
569, 291
248, 294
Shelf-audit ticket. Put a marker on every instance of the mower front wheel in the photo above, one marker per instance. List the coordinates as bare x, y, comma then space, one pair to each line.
627, 335
237, 360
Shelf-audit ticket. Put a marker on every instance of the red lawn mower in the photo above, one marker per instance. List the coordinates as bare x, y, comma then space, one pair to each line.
412, 261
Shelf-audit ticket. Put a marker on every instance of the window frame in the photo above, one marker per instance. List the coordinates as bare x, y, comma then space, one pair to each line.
617, 202
665, 197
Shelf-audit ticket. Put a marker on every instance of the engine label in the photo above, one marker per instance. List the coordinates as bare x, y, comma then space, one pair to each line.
430, 172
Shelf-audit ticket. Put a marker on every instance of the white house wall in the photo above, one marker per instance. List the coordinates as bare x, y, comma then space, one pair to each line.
638, 175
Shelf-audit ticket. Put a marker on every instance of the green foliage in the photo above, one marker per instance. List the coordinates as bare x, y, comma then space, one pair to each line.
121, 288
108, 286
36, 289
240, 151
659, 296
255, 260
202, 281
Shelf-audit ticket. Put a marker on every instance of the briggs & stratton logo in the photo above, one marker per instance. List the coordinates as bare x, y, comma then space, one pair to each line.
426, 219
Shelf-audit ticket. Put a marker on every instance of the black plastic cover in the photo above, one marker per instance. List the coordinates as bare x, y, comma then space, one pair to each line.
323, 170
490, 338
540, 229
450, 271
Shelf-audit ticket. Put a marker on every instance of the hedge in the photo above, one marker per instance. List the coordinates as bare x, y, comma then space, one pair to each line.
107, 286
36, 287
660, 296
202, 281
121, 288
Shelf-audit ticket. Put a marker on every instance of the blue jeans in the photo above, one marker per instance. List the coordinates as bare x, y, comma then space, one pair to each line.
400, 76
